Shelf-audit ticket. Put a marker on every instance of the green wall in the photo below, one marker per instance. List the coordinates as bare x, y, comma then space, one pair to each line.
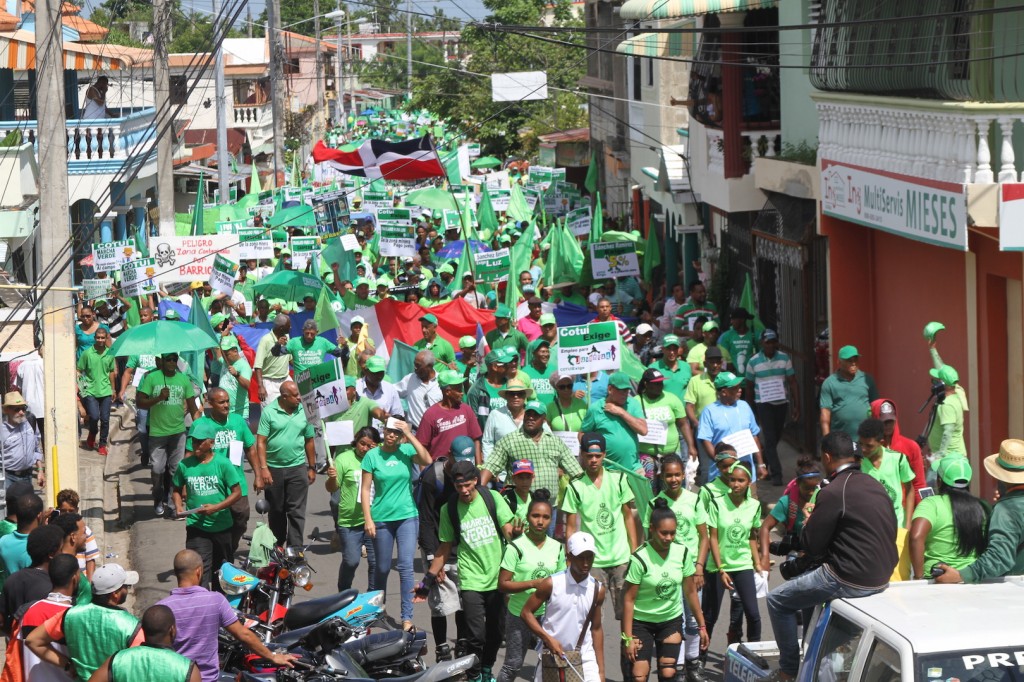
799, 115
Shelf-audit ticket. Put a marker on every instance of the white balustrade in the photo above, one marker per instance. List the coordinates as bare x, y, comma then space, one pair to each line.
95, 139
756, 144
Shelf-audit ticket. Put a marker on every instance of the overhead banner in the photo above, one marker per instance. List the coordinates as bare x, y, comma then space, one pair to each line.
614, 259
304, 248
578, 221
109, 256
923, 210
493, 266
223, 276
254, 243
138, 277
588, 348
190, 259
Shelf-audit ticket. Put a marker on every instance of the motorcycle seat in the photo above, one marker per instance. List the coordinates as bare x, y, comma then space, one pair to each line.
379, 646
409, 678
313, 611
291, 637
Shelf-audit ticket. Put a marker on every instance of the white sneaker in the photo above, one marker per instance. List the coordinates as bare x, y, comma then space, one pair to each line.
159, 509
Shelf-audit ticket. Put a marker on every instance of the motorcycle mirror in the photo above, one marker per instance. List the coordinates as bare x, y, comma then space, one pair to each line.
262, 507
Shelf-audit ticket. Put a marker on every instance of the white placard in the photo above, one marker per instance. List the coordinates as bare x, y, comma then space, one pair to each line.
614, 259
657, 433
393, 424
771, 389
190, 259
520, 85
108, 256
571, 440
743, 441
339, 433
235, 452
349, 242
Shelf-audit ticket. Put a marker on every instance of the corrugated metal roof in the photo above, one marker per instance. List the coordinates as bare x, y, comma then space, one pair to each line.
650, 10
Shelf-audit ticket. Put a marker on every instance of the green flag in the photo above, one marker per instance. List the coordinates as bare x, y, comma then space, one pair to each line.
451, 168
196, 359
469, 229
485, 215
324, 316
652, 252
296, 180
590, 183
197, 213
631, 364
517, 207
254, 182
747, 303
570, 265
333, 253
402, 360
465, 265
596, 222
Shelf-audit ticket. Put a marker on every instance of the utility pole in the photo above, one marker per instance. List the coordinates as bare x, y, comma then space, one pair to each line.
339, 84
60, 452
276, 84
408, 49
351, 70
163, 119
318, 119
223, 165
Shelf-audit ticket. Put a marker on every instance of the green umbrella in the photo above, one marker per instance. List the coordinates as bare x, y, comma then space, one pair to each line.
289, 285
486, 162
294, 216
432, 197
618, 236
160, 336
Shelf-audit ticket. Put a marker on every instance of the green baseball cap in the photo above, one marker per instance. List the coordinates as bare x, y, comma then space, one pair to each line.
709, 325
848, 353
329, 278
954, 470
360, 281
228, 342
546, 319
621, 381
727, 380
535, 406
670, 340
508, 354
502, 311
217, 319
429, 317
467, 342
537, 343
376, 364
172, 314
946, 374
450, 378
493, 357
350, 381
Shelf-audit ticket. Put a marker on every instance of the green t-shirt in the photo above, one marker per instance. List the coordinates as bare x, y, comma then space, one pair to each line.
940, 546
207, 483
480, 546
442, 350
167, 417
707, 494
893, 471
306, 355
235, 429
358, 413
349, 470
621, 442
141, 364
951, 411
741, 347
96, 368
542, 388
567, 418
734, 524
780, 512
600, 514
689, 512
666, 409
392, 483
700, 392
659, 595
691, 311
239, 396
514, 339
676, 379
286, 435
527, 561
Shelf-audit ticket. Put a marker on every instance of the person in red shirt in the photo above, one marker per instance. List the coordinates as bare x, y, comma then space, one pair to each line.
885, 409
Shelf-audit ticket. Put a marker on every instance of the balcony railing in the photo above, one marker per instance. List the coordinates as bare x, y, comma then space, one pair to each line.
95, 139
252, 115
755, 144
946, 141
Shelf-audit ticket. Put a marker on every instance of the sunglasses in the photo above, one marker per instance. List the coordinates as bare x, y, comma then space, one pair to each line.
18, 408
563, 387
515, 394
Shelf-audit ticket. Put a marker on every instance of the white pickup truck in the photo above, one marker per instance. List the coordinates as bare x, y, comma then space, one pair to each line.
914, 632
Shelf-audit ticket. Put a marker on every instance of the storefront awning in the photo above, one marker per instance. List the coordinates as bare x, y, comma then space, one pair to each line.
651, 10
661, 44
18, 52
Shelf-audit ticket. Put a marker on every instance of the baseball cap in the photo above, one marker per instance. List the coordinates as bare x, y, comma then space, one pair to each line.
739, 313
502, 311
112, 577
887, 412
709, 325
621, 381
507, 354
670, 340
376, 364
217, 319
652, 375
557, 376
592, 441
581, 542
356, 319
946, 374
713, 353
727, 380
196, 285
644, 328
450, 378
228, 342
202, 429
464, 470
769, 335
467, 342
171, 314
848, 352
535, 406
522, 466
350, 381
360, 281
14, 398
537, 343
493, 357
329, 278
546, 319
463, 449
954, 470
530, 289
429, 317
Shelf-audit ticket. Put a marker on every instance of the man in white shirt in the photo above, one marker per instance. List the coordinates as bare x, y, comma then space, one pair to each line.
30, 381
420, 389
373, 386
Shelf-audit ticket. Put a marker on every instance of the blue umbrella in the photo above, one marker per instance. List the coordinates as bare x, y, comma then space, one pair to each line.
454, 249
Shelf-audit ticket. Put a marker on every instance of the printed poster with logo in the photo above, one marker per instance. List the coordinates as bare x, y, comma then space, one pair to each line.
397, 234
322, 388
190, 259
493, 266
578, 221
254, 243
500, 199
138, 277
588, 348
109, 256
232, 226
304, 248
614, 259
223, 276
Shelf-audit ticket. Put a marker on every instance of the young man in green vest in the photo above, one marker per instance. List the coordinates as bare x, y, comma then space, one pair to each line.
154, 661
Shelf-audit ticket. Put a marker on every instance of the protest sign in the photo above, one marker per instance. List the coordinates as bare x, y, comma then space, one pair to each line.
324, 385
500, 199
254, 242
397, 239
377, 201
452, 219
493, 266
223, 275
614, 259
110, 255
474, 149
578, 221
349, 242
190, 259
96, 288
588, 348
332, 214
232, 226
304, 248
138, 277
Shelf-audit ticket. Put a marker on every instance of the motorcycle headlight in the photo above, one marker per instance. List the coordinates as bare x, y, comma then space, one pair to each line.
231, 588
301, 576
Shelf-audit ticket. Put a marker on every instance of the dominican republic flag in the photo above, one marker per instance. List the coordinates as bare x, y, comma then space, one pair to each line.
409, 160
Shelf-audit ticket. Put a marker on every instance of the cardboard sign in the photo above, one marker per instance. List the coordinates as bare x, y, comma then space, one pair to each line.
190, 259
304, 248
588, 348
397, 239
139, 277
109, 256
493, 266
571, 439
614, 259
254, 242
349, 242
223, 276
96, 288
322, 388
377, 201
579, 221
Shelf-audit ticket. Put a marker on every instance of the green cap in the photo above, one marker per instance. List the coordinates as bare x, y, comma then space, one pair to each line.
329, 278
505, 239
508, 354
670, 340
535, 406
537, 343
376, 364
946, 374
360, 281
228, 342
931, 329
203, 429
429, 317
727, 380
848, 353
954, 470
217, 319
467, 342
450, 378
493, 357
437, 214
621, 381
350, 381
547, 318
446, 269
709, 325
502, 311
172, 314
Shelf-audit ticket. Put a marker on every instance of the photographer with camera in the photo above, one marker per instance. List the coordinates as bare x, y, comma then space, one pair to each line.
849, 545
792, 512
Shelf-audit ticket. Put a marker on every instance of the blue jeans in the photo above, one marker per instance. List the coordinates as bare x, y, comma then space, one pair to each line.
98, 410
804, 592
406, 533
352, 540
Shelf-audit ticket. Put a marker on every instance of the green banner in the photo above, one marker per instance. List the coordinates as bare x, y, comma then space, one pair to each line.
493, 266
109, 256
589, 347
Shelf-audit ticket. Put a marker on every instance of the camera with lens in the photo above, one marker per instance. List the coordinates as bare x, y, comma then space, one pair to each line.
789, 543
798, 565
938, 391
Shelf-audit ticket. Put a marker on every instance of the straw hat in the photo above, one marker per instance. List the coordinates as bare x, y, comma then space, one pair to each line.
513, 385
1008, 464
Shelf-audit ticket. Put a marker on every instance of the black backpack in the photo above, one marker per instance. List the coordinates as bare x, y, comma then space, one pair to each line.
453, 515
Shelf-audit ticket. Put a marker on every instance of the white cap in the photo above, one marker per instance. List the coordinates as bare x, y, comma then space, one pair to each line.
112, 577
580, 543
356, 319
644, 328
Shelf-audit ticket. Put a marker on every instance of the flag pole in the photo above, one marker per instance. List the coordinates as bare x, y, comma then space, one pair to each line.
462, 223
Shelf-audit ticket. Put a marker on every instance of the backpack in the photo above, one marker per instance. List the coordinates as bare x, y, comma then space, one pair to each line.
512, 499
438, 468
453, 514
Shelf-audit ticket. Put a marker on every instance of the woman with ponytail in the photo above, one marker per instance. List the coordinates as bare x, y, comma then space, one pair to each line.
950, 527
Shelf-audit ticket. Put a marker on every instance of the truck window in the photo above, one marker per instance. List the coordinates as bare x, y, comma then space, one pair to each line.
1004, 664
883, 663
838, 649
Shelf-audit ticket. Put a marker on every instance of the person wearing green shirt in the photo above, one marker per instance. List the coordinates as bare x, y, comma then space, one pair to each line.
467, 363
700, 392
658, 405
696, 306
888, 467
539, 369
792, 510
527, 561
504, 335
480, 538
739, 340
599, 503
209, 485
390, 514
359, 296
443, 350
948, 527
166, 393
947, 434
620, 420
695, 356
733, 522
677, 373
287, 463
97, 368
307, 350
344, 476
660, 575
846, 395
566, 411
236, 377
155, 659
